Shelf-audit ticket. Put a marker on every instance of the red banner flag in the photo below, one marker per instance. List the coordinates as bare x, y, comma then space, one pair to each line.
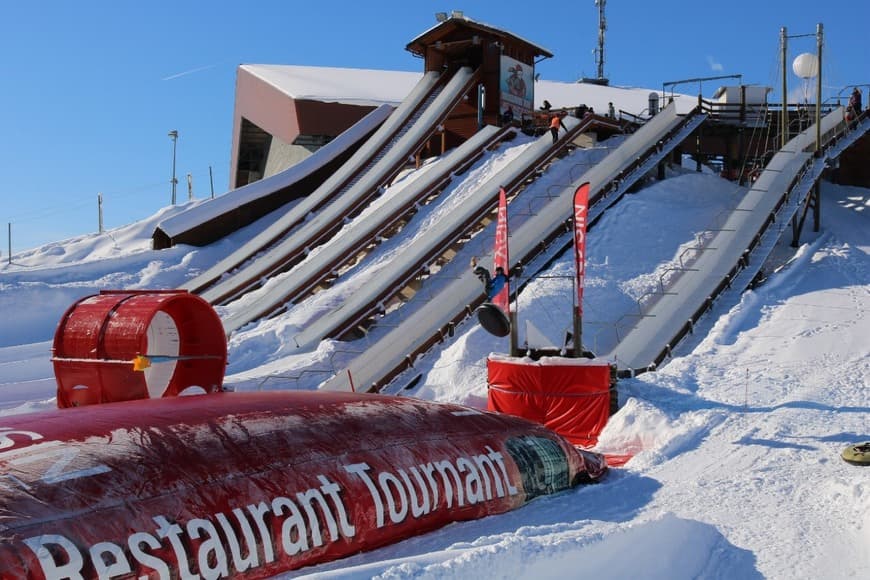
581, 210
500, 255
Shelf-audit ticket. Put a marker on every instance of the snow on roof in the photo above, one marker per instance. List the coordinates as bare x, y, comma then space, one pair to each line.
209, 209
477, 23
376, 87
332, 84
629, 99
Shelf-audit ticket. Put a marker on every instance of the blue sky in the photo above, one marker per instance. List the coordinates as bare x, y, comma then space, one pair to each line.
92, 87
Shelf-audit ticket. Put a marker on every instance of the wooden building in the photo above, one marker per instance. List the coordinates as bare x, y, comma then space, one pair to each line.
505, 65
278, 120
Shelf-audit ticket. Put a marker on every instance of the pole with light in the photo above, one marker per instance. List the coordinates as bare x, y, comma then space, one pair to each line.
807, 66
174, 136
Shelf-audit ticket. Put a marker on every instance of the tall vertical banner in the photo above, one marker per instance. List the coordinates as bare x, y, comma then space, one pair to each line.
581, 211
500, 254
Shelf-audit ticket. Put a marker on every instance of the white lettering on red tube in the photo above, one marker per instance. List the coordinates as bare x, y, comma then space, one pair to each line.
244, 541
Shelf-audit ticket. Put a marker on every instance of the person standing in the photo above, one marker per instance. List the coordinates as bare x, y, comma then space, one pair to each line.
854, 109
508, 117
555, 123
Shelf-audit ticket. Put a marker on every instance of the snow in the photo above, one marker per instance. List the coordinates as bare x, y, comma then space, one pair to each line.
736, 470
351, 86
205, 210
376, 87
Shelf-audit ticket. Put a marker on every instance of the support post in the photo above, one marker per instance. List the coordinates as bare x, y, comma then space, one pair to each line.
817, 209
481, 104
578, 330
784, 117
819, 42
795, 231
514, 348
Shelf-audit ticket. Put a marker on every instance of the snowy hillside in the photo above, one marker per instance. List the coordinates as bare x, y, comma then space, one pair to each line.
736, 472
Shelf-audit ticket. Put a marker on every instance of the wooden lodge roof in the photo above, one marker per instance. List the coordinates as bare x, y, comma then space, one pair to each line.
459, 26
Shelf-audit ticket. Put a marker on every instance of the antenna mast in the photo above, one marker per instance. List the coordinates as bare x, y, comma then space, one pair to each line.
599, 52
602, 26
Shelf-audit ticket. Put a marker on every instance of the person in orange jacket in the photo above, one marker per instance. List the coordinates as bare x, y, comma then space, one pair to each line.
555, 123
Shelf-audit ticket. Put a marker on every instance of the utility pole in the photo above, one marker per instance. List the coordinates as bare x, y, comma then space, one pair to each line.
174, 136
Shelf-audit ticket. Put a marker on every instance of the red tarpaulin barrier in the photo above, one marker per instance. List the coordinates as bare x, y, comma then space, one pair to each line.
249, 485
569, 396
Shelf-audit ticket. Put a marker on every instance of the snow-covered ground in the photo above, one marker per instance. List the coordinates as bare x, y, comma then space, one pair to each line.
736, 470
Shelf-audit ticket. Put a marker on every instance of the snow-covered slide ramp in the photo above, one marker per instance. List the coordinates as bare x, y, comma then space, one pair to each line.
325, 192
363, 232
349, 202
435, 242
774, 197
214, 218
396, 349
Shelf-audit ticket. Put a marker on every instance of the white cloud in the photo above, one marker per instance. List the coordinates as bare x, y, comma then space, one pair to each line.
714, 66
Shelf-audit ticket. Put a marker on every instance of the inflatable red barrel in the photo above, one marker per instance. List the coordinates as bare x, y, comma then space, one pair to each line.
126, 344
250, 485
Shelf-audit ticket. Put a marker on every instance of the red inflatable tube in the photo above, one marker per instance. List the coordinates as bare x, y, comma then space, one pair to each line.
249, 485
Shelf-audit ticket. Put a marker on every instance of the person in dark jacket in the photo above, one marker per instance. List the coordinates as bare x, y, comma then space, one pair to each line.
508, 117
